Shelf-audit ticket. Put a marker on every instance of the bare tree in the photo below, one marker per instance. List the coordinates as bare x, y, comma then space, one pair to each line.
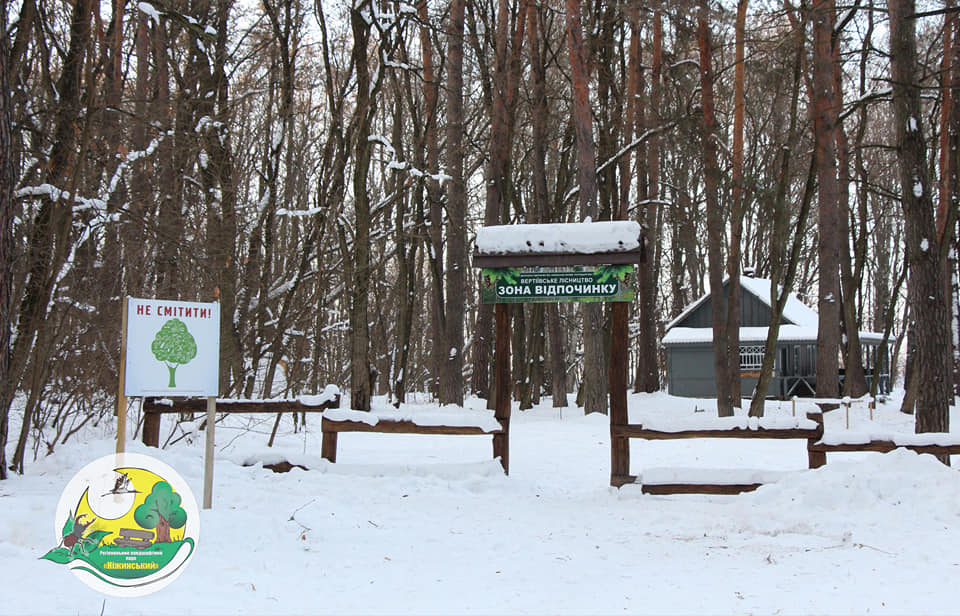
49, 245
926, 253
737, 205
648, 373
451, 374
595, 370
718, 302
828, 252
7, 214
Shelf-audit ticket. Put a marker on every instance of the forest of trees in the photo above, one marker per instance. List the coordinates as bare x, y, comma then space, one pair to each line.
321, 169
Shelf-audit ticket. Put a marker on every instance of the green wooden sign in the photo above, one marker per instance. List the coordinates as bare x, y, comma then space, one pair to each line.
587, 283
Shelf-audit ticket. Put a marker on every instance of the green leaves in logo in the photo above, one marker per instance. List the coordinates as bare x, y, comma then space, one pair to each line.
75, 546
161, 510
61, 556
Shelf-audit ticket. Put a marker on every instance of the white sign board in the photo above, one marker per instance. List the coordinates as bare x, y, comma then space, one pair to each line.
172, 348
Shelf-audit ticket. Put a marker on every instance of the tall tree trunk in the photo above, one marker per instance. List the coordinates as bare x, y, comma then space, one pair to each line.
431, 89
933, 362
219, 188
718, 301
737, 206
540, 114
854, 381
170, 225
595, 382
7, 215
451, 375
784, 267
828, 250
949, 185
505, 81
648, 372
48, 247
360, 376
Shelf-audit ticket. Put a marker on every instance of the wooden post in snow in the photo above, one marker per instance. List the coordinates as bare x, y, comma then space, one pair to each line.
208, 453
122, 372
501, 358
619, 445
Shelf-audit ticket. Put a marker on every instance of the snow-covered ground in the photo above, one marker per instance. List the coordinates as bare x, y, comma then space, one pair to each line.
416, 524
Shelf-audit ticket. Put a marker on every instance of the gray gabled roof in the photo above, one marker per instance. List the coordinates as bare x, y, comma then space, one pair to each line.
799, 322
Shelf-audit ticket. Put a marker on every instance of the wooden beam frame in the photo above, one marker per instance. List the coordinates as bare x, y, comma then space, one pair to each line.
558, 259
618, 358
153, 409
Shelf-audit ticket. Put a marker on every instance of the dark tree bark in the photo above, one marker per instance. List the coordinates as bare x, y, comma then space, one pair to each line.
949, 185
219, 187
828, 249
718, 301
540, 113
648, 372
855, 380
431, 87
784, 267
48, 247
737, 206
7, 214
360, 376
451, 374
504, 81
932, 356
595, 382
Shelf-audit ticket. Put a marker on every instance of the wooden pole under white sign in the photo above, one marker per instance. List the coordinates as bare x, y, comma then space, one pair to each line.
122, 373
208, 453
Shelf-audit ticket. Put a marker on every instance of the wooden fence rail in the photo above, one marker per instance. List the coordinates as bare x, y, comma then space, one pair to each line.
331, 428
154, 408
816, 452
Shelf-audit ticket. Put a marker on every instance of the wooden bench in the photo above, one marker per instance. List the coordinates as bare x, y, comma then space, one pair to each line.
134, 538
331, 428
154, 408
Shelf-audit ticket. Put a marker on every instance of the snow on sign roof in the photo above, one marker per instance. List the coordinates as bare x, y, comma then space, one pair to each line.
577, 238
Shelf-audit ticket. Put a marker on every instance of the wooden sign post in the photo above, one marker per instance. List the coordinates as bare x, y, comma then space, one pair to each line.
160, 338
208, 453
588, 262
121, 395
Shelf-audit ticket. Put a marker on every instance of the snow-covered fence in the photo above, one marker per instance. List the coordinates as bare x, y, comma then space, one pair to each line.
447, 422
735, 481
155, 408
810, 429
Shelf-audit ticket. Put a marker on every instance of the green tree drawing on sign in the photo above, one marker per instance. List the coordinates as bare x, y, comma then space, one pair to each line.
174, 345
161, 510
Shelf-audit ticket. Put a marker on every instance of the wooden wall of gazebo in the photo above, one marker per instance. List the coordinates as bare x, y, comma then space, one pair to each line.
618, 360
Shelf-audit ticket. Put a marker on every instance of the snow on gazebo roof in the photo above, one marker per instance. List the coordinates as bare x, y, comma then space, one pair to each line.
559, 244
